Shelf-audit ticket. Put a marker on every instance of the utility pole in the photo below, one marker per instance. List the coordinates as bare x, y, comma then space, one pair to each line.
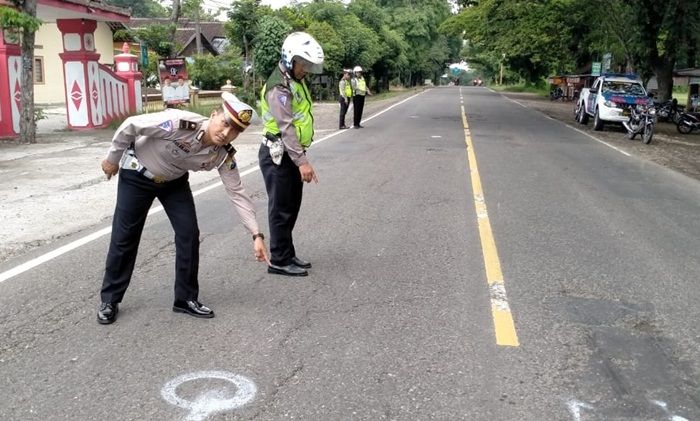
500, 78
198, 29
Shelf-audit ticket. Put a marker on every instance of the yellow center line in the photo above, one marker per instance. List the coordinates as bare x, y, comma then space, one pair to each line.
500, 310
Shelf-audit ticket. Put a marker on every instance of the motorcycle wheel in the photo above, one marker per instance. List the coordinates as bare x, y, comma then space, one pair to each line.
683, 127
676, 117
631, 129
648, 133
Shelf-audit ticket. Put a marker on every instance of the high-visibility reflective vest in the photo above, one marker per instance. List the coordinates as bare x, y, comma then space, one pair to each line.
302, 120
360, 86
346, 88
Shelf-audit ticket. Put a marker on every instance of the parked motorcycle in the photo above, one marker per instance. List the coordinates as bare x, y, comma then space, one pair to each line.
688, 122
556, 94
669, 111
642, 120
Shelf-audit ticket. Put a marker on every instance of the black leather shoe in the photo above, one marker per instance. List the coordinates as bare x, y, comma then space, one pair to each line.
289, 270
301, 263
193, 308
107, 313
359, 126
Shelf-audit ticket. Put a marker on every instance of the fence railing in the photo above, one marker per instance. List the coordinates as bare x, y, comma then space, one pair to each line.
113, 102
153, 102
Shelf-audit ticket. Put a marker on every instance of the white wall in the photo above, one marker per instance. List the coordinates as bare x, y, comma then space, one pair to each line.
48, 45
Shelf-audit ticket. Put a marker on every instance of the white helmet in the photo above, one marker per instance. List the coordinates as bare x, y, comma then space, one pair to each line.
357, 69
303, 46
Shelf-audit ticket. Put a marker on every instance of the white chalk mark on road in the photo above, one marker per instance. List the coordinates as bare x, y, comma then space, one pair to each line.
212, 401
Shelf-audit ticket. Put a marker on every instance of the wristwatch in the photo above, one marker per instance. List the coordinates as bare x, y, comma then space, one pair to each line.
258, 235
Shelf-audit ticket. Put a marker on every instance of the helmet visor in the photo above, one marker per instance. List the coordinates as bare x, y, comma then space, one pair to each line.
309, 67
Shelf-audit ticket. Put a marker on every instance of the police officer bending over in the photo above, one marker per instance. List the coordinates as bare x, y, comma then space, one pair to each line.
286, 107
156, 152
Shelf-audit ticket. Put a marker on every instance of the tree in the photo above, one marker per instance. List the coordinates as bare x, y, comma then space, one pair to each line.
25, 22
142, 8
418, 23
174, 18
663, 26
210, 72
268, 44
242, 27
532, 34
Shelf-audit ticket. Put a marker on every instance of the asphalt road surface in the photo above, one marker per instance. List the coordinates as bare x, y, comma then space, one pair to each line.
556, 279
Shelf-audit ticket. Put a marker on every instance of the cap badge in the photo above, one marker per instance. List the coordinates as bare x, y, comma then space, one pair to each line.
245, 116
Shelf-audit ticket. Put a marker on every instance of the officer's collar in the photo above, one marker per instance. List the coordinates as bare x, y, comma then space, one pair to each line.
199, 137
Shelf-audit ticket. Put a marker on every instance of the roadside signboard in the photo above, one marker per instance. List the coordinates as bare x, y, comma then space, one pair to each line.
595, 69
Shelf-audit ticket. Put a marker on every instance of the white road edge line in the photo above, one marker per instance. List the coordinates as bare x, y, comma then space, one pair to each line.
17, 270
571, 127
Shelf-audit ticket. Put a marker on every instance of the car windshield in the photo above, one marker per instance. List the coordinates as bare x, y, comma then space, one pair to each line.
623, 88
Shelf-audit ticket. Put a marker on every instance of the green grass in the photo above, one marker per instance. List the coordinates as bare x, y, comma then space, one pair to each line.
521, 88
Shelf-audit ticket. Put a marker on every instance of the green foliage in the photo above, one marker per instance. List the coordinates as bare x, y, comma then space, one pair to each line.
11, 18
293, 16
211, 72
243, 23
532, 34
157, 38
190, 8
361, 43
332, 44
269, 38
142, 8
39, 114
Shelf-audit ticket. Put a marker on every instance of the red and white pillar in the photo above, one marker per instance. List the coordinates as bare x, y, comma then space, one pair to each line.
10, 73
127, 66
81, 73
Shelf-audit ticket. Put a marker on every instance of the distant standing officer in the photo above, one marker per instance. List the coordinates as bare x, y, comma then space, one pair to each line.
156, 152
359, 90
345, 96
285, 104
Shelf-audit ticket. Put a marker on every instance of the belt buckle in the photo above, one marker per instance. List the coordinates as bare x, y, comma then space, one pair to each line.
158, 179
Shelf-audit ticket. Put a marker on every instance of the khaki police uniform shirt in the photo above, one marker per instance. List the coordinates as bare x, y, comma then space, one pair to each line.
279, 99
168, 144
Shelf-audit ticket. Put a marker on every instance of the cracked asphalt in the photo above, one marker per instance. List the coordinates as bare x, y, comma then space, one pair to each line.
395, 321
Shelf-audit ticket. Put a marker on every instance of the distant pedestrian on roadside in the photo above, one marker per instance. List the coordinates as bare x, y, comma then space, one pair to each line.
156, 152
345, 96
359, 90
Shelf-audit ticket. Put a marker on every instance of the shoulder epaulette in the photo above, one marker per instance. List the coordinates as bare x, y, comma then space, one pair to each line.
188, 125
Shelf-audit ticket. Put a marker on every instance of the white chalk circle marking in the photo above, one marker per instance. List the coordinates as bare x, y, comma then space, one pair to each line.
212, 401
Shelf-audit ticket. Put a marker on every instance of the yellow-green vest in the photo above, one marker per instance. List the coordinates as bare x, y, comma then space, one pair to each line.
303, 120
348, 89
360, 86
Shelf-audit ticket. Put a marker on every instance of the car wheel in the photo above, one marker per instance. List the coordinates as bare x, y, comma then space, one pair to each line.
581, 116
597, 122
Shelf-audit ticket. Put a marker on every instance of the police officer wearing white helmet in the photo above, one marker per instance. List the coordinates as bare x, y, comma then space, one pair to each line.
359, 90
156, 152
286, 108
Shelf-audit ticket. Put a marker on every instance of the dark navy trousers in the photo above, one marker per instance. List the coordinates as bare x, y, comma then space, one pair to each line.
344, 105
358, 104
284, 191
135, 194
